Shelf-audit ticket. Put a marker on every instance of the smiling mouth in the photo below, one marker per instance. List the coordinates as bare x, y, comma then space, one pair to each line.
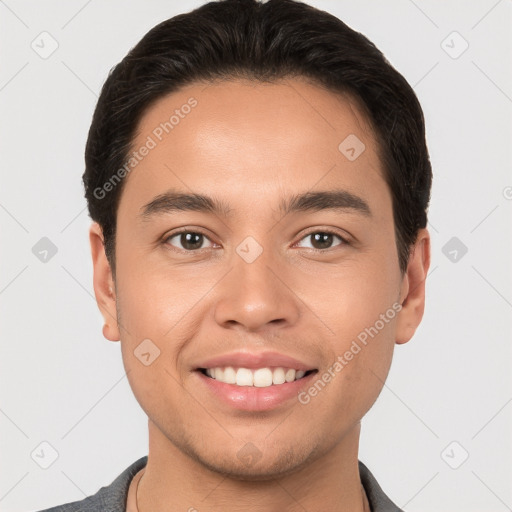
259, 377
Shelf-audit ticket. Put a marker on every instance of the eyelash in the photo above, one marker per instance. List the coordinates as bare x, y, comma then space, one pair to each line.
344, 240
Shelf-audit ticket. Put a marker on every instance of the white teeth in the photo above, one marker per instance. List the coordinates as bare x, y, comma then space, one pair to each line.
229, 375
260, 378
278, 376
289, 375
243, 377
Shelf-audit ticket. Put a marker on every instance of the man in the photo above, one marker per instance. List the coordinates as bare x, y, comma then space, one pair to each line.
258, 178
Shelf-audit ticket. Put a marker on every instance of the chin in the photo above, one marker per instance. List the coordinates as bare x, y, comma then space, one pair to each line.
261, 470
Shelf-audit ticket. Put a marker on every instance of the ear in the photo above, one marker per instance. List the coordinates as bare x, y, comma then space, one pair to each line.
412, 290
104, 286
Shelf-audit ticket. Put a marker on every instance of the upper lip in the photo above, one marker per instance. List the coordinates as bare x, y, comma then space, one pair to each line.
254, 360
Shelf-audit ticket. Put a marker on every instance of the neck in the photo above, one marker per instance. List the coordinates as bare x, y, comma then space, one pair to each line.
327, 481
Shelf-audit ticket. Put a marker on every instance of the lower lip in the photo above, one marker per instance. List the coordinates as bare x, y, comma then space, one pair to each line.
251, 398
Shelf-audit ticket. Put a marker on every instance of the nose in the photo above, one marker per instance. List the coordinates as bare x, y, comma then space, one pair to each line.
257, 296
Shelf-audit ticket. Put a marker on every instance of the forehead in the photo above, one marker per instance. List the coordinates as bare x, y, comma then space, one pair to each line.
251, 139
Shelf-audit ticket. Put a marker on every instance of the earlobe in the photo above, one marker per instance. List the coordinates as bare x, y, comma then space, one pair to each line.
412, 293
103, 284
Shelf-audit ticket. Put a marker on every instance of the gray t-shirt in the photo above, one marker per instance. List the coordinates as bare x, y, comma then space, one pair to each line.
112, 498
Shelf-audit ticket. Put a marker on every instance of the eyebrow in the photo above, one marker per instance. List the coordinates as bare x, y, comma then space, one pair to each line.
174, 201
338, 200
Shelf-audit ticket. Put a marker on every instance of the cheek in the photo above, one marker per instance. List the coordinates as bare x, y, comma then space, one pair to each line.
355, 374
152, 300
352, 297
359, 305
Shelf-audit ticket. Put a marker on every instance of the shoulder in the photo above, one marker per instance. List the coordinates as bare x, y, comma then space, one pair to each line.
111, 497
378, 500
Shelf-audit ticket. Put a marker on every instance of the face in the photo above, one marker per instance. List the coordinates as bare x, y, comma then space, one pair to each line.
288, 262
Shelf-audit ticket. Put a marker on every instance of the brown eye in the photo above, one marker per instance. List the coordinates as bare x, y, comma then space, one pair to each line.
187, 240
323, 240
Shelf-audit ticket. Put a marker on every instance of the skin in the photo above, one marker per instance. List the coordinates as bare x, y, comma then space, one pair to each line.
251, 145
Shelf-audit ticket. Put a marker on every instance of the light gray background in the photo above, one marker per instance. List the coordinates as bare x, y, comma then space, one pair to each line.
63, 383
